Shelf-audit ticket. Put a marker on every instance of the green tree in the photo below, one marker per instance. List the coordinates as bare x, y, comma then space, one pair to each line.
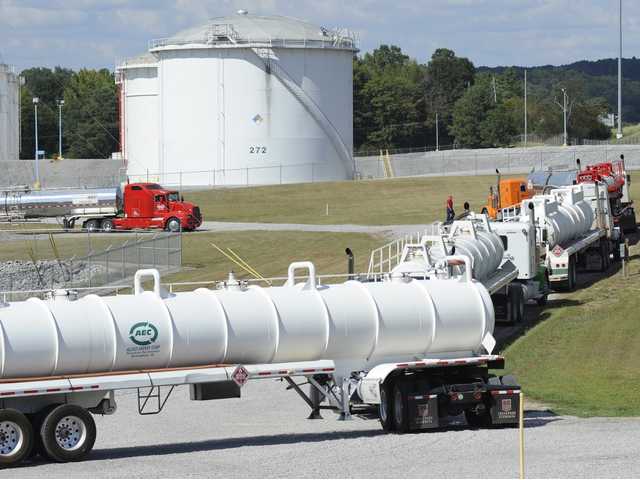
48, 86
388, 100
469, 112
91, 118
445, 81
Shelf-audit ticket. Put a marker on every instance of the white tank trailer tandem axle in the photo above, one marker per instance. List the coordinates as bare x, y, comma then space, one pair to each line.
417, 350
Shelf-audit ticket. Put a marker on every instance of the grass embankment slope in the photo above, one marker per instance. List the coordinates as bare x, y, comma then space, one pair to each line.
270, 253
584, 357
366, 202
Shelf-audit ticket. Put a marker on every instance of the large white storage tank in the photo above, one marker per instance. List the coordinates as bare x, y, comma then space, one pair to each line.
241, 100
9, 113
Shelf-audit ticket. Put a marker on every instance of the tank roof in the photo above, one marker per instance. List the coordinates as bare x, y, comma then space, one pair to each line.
144, 60
244, 28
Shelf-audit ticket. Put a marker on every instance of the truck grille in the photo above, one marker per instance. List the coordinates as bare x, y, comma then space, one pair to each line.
196, 213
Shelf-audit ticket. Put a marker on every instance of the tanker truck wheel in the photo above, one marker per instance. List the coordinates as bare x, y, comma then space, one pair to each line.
107, 225
400, 407
515, 305
16, 437
385, 409
477, 419
68, 433
92, 225
173, 225
572, 276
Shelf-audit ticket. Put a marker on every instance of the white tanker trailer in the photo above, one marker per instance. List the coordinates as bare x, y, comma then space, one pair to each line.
574, 229
503, 260
418, 350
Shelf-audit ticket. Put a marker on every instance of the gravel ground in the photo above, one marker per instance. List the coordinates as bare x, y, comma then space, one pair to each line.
22, 275
266, 434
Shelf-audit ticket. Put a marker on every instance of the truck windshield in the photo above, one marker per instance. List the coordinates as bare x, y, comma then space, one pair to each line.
153, 186
173, 197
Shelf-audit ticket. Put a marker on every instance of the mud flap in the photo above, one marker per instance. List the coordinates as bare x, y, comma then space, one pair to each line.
504, 408
423, 412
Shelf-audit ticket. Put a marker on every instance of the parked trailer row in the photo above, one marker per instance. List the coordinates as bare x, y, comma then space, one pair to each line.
418, 351
535, 246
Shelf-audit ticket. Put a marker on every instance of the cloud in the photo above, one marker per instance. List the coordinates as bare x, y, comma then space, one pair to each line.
93, 33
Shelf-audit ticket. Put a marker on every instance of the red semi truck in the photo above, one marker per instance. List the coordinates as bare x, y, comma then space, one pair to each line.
134, 206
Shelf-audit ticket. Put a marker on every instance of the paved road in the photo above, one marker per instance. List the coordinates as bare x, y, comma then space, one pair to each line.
391, 230
265, 434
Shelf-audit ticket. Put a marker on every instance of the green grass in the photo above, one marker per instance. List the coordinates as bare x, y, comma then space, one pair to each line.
270, 253
627, 130
67, 246
366, 202
584, 357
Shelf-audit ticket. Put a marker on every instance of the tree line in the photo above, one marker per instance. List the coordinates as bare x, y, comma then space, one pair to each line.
398, 101
89, 113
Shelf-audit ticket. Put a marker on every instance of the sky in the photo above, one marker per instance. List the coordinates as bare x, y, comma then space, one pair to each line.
99, 33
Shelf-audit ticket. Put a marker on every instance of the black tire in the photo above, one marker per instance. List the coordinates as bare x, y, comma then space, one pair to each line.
542, 300
478, 420
515, 305
400, 407
16, 437
107, 225
570, 283
172, 225
385, 409
68, 433
604, 255
36, 422
92, 225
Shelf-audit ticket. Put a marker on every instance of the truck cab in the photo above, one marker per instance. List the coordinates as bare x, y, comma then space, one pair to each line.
149, 205
508, 193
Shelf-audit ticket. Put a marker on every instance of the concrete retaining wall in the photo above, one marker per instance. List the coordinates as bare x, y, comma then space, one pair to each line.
485, 161
74, 173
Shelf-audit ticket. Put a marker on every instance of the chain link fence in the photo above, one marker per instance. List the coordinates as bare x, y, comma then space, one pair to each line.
111, 266
240, 177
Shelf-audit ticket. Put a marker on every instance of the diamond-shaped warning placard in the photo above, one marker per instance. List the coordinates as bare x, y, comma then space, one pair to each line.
240, 375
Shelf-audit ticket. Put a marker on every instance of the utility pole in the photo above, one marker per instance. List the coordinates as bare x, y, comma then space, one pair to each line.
37, 156
437, 139
60, 104
525, 108
619, 134
495, 93
563, 106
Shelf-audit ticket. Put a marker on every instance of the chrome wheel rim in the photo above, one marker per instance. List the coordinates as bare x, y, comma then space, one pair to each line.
11, 438
71, 433
383, 405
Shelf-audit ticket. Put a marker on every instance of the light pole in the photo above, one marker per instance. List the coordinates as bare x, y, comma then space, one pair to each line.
619, 134
564, 112
35, 106
437, 136
525, 108
60, 104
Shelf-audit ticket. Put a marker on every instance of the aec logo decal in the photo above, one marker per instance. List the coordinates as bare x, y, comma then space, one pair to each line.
143, 333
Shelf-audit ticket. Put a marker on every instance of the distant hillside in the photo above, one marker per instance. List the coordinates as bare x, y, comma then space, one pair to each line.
599, 77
